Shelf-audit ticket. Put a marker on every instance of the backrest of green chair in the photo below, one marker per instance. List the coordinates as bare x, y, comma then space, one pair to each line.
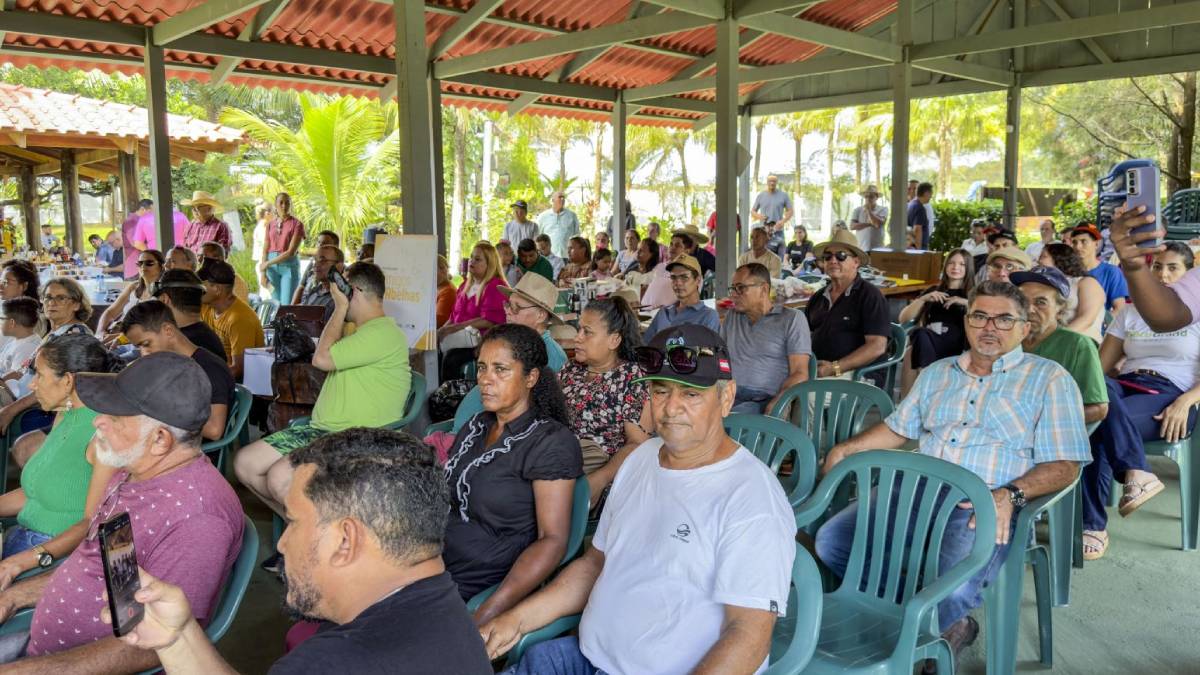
239, 412
926, 491
414, 402
235, 585
830, 411
266, 311
795, 636
580, 501
889, 363
773, 441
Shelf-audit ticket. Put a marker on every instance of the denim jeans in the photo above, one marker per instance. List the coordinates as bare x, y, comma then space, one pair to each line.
752, 401
835, 540
18, 538
560, 656
283, 277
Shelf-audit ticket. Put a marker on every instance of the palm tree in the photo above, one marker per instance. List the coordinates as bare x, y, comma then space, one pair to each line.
656, 147
338, 166
957, 124
759, 125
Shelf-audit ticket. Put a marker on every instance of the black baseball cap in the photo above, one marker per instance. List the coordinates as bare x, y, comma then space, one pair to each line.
696, 345
218, 272
164, 386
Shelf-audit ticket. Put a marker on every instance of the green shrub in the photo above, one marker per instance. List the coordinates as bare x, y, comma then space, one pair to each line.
1072, 212
243, 264
953, 220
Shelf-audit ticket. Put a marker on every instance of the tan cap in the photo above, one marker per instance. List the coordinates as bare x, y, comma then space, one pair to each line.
1011, 253
693, 232
538, 290
688, 262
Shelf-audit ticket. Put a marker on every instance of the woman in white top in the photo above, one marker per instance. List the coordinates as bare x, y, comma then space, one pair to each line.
1085, 306
1151, 397
150, 268
628, 256
263, 214
642, 276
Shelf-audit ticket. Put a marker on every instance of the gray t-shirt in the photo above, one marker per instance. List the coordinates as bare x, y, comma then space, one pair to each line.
760, 351
772, 204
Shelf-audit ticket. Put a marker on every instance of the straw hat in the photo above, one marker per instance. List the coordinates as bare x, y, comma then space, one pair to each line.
200, 198
536, 289
693, 232
845, 239
630, 295
871, 190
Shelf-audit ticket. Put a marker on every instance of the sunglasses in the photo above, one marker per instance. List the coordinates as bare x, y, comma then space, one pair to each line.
841, 256
681, 360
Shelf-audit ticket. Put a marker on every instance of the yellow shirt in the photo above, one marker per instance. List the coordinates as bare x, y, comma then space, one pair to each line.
238, 327
768, 260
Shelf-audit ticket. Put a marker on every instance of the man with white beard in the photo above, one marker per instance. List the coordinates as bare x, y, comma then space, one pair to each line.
187, 521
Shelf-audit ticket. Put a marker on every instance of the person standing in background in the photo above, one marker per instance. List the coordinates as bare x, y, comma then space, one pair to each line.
520, 227
263, 214
772, 204
280, 267
558, 222
868, 220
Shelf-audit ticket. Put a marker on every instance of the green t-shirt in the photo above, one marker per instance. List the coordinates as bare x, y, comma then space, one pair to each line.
370, 380
1078, 354
56, 478
542, 267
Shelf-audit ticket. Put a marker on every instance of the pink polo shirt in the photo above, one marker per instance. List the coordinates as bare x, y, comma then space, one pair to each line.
187, 529
279, 235
489, 304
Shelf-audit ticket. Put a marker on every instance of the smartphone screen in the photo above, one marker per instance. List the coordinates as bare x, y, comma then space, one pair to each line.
120, 573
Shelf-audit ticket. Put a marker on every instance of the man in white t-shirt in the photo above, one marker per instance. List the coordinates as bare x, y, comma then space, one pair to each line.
21, 340
868, 220
690, 564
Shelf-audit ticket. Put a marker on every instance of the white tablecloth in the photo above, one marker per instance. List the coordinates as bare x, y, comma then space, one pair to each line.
257, 370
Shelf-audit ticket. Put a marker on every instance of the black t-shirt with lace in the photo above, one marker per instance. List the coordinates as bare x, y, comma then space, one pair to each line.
492, 513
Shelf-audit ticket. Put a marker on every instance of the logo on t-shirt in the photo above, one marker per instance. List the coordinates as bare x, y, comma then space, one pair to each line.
682, 533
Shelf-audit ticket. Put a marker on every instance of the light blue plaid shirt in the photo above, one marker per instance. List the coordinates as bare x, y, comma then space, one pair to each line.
1028, 411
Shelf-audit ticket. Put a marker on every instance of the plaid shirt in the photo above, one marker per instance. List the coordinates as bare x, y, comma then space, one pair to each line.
213, 229
1028, 411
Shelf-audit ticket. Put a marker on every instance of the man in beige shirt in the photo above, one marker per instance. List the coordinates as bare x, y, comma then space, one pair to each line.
758, 253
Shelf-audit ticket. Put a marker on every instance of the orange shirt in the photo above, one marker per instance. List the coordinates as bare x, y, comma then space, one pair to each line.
445, 303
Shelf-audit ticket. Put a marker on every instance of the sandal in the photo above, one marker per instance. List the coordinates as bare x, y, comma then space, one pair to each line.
1094, 551
1137, 494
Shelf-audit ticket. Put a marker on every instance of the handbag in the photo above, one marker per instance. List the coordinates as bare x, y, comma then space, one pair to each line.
292, 343
443, 402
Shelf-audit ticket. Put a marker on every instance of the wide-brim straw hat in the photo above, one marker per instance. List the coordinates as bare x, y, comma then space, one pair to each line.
536, 289
871, 190
199, 197
693, 232
845, 239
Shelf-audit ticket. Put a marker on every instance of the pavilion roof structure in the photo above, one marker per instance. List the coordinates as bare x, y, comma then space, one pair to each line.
37, 125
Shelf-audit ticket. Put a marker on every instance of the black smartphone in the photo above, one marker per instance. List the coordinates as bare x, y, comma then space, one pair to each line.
344, 286
120, 573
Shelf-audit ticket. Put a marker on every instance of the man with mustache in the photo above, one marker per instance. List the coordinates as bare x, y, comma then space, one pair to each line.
187, 521
1013, 419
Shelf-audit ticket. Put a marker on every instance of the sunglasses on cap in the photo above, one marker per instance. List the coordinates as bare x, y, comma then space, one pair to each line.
840, 255
681, 360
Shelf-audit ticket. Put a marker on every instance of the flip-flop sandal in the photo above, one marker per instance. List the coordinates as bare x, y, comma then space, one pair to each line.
1098, 549
1137, 494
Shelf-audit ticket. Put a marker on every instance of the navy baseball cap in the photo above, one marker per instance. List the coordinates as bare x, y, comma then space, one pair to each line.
1049, 276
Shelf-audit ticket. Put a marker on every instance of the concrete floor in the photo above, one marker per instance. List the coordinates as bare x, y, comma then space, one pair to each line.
1137, 610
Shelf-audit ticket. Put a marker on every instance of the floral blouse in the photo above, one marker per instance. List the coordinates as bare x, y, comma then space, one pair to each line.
600, 408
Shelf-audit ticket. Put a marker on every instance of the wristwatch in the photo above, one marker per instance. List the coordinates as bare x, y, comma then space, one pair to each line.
1016, 496
44, 559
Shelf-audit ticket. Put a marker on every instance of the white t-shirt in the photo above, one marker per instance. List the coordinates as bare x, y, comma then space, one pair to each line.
869, 237
16, 352
1176, 354
678, 546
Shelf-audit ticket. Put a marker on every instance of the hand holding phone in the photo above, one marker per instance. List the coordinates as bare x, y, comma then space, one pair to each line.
120, 573
339, 280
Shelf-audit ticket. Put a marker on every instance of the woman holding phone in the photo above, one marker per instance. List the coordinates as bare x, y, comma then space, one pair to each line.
1151, 397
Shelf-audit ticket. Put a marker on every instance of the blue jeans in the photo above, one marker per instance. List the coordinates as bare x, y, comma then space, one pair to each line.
1118, 444
560, 656
835, 540
283, 277
18, 538
752, 401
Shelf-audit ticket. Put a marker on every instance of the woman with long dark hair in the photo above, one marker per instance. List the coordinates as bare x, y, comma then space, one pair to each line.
579, 260
1085, 306
511, 473
939, 315
150, 267
607, 406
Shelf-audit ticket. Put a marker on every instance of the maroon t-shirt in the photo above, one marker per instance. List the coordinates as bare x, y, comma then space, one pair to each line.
187, 530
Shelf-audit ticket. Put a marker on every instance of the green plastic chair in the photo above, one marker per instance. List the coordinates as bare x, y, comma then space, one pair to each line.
774, 441
842, 405
266, 311
889, 364
227, 605
579, 517
6, 443
1187, 457
1002, 598
239, 412
885, 620
793, 640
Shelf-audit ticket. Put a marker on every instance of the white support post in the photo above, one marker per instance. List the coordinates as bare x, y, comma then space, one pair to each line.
618, 169
1012, 125
727, 135
901, 114
745, 134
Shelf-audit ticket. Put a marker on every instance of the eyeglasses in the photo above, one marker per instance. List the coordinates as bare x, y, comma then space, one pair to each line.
681, 360
55, 299
840, 255
1005, 267
147, 263
739, 289
1001, 322
515, 308
680, 278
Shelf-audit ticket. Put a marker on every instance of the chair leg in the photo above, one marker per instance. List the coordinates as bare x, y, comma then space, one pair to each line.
944, 658
1114, 495
1002, 607
1077, 526
1041, 584
1189, 495
1061, 518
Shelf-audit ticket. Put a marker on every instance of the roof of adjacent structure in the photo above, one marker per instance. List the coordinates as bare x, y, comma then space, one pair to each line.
572, 57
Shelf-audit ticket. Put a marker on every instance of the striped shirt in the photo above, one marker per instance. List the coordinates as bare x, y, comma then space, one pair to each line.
998, 426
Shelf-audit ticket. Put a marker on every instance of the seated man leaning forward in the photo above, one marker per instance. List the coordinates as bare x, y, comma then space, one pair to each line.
1014, 419
367, 385
187, 521
695, 526
371, 567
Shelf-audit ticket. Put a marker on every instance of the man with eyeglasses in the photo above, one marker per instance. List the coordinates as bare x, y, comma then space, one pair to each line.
187, 520
1013, 419
998, 239
769, 344
849, 316
1005, 261
317, 291
758, 253
1047, 289
685, 278
712, 520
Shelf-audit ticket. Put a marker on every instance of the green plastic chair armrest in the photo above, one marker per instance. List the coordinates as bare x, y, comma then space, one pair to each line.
481, 597
445, 425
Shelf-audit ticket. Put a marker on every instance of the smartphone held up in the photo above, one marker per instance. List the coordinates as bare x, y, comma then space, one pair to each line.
1130, 184
120, 573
